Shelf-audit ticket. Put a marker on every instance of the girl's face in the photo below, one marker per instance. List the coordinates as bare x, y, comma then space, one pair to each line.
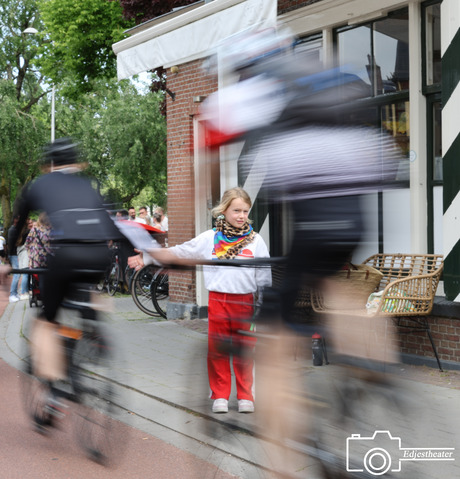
237, 213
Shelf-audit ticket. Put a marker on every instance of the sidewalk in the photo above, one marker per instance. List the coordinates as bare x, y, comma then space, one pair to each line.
162, 381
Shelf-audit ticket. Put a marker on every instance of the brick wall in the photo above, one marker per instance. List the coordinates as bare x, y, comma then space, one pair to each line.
285, 6
446, 336
188, 82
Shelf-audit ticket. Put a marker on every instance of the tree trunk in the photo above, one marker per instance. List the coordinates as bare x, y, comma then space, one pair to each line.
5, 203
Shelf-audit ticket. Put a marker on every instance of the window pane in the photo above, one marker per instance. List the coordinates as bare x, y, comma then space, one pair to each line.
437, 147
433, 44
391, 54
354, 50
395, 121
311, 48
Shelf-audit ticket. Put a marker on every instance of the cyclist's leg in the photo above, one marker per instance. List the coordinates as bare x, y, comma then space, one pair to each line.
326, 232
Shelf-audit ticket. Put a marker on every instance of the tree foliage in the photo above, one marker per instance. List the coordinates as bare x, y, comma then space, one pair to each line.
123, 135
19, 51
78, 41
142, 10
21, 139
120, 129
22, 134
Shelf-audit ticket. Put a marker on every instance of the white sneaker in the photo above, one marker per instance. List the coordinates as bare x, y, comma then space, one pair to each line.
24, 296
244, 405
220, 405
13, 298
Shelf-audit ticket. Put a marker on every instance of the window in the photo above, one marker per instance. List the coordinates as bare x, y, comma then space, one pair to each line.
431, 64
378, 52
310, 48
432, 57
394, 118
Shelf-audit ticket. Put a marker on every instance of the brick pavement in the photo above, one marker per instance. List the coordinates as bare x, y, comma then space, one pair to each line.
163, 381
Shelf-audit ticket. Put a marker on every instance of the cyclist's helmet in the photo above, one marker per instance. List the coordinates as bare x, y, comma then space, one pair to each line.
63, 151
246, 52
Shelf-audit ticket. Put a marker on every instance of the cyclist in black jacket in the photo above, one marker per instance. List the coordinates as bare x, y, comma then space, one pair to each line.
81, 227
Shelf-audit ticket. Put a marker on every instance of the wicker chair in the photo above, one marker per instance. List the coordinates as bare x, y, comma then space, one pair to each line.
408, 286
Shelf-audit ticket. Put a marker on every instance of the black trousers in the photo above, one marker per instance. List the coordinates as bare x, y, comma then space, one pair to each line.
326, 232
71, 264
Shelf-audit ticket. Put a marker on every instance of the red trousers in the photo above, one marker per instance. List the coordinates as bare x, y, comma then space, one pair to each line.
227, 314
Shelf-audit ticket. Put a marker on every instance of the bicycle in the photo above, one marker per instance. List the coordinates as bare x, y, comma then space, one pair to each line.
112, 278
160, 292
89, 355
128, 278
150, 290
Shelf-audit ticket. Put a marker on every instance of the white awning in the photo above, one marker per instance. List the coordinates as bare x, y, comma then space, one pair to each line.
191, 35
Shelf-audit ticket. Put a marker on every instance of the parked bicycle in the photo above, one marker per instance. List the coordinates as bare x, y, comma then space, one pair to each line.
113, 276
150, 290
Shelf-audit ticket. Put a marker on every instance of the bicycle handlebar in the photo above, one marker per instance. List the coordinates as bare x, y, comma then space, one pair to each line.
259, 262
44, 270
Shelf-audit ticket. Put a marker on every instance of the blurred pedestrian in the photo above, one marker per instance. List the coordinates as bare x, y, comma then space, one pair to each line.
132, 216
143, 214
38, 246
23, 259
13, 257
3, 249
122, 214
38, 242
163, 219
156, 221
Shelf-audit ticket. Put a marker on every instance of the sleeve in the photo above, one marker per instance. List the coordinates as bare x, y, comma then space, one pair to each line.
263, 273
196, 248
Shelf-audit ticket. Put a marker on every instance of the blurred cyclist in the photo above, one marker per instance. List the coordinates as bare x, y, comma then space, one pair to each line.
81, 226
310, 144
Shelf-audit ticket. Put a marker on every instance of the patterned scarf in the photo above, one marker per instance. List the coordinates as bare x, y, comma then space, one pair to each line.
228, 240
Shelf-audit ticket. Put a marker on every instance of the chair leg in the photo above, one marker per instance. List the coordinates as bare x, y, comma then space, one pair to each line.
433, 345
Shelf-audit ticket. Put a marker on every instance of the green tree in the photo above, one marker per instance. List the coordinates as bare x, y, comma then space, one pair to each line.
123, 136
78, 41
22, 134
121, 130
18, 50
21, 139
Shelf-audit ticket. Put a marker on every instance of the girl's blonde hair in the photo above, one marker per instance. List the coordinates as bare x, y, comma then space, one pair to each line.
228, 197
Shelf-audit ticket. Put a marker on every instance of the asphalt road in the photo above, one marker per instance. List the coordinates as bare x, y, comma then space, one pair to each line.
26, 454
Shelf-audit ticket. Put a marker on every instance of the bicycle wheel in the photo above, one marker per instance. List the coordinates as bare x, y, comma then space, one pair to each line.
36, 393
96, 424
114, 277
160, 292
128, 278
141, 289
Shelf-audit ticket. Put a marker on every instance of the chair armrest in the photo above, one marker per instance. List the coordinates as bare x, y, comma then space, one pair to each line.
411, 296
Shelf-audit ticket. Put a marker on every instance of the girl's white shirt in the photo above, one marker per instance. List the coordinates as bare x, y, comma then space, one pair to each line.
228, 279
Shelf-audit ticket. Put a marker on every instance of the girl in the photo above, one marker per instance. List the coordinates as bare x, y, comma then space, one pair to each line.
232, 293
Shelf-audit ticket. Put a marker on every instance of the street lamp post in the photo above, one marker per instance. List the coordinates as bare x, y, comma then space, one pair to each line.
53, 112
34, 31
